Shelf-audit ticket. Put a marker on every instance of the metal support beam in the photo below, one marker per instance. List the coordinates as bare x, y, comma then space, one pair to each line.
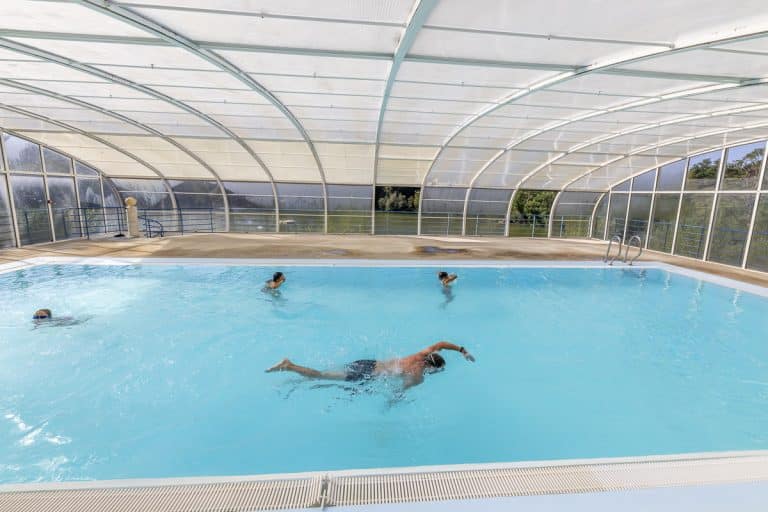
144, 23
91, 70
419, 14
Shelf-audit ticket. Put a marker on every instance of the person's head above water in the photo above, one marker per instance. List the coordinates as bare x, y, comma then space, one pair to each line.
42, 314
278, 276
446, 278
433, 362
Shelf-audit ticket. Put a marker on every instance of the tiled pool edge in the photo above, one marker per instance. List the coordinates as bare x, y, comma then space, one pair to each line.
396, 485
295, 262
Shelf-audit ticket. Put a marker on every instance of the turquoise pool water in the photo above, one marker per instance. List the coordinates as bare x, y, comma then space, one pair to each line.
166, 375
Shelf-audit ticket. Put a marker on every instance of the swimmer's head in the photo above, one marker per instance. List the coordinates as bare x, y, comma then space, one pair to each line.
42, 314
278, 276
442, 275
434, 362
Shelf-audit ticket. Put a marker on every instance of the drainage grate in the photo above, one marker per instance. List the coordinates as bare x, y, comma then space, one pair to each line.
534, 480
241, 496
393, 486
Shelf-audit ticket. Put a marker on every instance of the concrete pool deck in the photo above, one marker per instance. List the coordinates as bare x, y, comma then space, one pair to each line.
277, 246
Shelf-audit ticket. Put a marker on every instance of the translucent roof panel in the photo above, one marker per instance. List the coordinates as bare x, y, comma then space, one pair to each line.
347, 163
252, 29
94, 153
456, 166
227, 158
163, 155
39, 16
287, 161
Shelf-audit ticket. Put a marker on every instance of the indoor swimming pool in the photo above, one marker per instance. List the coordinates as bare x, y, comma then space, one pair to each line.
160, 372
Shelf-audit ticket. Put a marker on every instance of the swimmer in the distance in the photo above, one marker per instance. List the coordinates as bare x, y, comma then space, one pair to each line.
411, 368
445, 278
278, 278
44, 317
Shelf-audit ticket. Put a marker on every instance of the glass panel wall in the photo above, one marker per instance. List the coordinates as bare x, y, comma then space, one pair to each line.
149, 194
730, 229
573, 214
349, 208
671, 176
617, 215
742, 167
529, 215
639, 211
23, 156
90, 192
7, 238
201, 205
487, 211
56, 163
61, 190
601, 213
663, 222
692, 228
442, 210
758, 248
644, 182
31, 205
702, 171
397, 210
302, 207
251, 207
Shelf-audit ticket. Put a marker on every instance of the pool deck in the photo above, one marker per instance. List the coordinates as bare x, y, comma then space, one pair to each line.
275, 246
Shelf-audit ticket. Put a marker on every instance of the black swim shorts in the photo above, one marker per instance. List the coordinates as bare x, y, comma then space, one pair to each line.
360, 370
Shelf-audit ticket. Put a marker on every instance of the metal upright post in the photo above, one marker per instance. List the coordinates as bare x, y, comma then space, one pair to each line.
715, 197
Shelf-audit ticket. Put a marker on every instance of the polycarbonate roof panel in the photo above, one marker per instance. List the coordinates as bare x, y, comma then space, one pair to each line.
47, 17
391, 11
226, 157
232, 28
448, 92
285, 64
470, 75
604, 19
455, 166
347, 163
13, 121
162, 155
287, 161
709, 62
626, 85
494, 46
92, 152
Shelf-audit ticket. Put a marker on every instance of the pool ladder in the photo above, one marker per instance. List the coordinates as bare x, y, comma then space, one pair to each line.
616, 238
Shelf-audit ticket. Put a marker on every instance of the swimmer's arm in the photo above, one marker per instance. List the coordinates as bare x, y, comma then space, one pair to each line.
451, 278
444, 345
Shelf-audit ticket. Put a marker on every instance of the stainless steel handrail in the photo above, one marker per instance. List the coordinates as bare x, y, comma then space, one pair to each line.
639, 252
618, 239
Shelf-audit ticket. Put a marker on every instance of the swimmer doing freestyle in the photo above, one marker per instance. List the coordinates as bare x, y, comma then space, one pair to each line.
411, 368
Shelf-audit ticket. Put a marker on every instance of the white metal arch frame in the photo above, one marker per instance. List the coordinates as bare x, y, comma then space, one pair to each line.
96, 138
128, 120
543, 84
58, 59
135, 19
669, 142
647, 126
419, 14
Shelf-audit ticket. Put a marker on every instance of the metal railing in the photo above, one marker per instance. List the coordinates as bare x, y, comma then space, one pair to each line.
571, 226
607, 258
639, 251
532, 226
179, 221
89, 222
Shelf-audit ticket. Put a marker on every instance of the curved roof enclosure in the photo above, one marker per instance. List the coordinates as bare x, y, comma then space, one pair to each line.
483, 95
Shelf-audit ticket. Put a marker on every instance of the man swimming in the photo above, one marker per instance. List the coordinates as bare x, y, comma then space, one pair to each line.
411, 368
445, 278
278, 278
44, 317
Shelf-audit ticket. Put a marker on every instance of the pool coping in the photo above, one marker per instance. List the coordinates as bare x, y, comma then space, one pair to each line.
431, 263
